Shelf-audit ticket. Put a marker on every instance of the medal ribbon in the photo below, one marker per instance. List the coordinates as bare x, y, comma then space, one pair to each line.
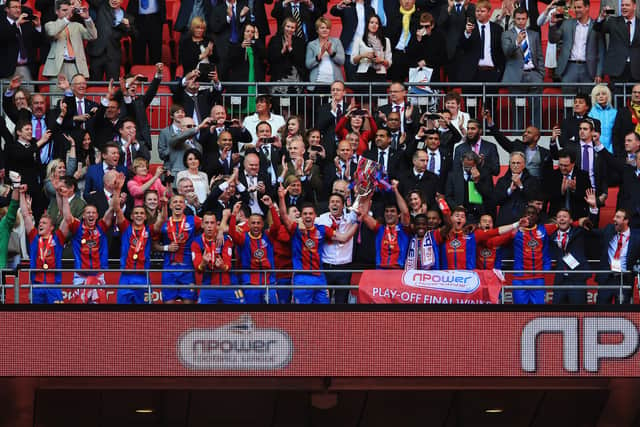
140, 240
43, 248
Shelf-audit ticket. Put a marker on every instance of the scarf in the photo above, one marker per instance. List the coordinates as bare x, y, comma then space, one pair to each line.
635, 115
251, 90
421, 255
406, 21
374, 42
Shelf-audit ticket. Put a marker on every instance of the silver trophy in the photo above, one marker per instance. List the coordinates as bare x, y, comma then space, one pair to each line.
365, 180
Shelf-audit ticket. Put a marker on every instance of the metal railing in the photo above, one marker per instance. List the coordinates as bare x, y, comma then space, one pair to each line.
512, 111
621, 287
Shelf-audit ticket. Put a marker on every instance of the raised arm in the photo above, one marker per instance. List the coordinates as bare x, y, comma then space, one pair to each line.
282, 192
25, 208
405, 215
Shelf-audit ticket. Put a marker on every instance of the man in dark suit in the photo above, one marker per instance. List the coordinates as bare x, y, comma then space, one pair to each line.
107, 123
223, 196
149, 18
188, 9
619, 252
539, 162
418, 177
567, 186
93, 180
19, 40
391, 162
220, 160
347, 11
105, 52
130, 148
452, 20
197, 103
81, 110
409, 116
136, 106
304, 12
568, 249
514, 189
567, 129
471, 187
328, 115
342, 167
298, 192
258, 16
225, 23
41, 120
437, 161
486, 150
254, 183
209, 137
481, 55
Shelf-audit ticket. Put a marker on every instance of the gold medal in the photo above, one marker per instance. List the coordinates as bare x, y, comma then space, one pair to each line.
45, 266
83, 241
135, 256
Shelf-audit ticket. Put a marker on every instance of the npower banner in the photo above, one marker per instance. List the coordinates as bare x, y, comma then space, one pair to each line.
430, 287
366, 343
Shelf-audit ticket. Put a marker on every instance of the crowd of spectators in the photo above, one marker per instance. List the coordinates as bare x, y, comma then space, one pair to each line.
266, 192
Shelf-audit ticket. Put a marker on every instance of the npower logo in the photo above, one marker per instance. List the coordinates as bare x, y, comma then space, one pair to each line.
239, 345
443, 280
579, 332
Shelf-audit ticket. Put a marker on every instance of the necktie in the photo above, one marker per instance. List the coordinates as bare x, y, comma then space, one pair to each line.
419, 176
482, 40
38, 134
80, 109
564, 241
144, 4
476, 148
526, 53
396, 108
432, 162
381, 14
338, 111
458, 8
234, 27
265, 150
381, 161
129, 157
69, 45
629, 31
619, 247
295, 12
567, 195
22, 50
506, 22
585, 158
196, 108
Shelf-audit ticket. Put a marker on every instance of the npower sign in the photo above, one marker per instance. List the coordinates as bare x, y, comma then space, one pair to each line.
239, 345
581, 340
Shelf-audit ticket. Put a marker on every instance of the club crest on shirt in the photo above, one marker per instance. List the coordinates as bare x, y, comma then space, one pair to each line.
310, 244
532, 244
259, 253
91, 244
455, 243
485, 253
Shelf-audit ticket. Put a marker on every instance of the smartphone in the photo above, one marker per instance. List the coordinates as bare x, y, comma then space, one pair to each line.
609, 11
431, 116
359, 112
205, 69
315, 148
268, 140
228, 123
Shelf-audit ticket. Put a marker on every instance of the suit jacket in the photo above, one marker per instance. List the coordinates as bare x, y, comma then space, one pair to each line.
394, 25
311, 59
594, 51
138, 109
280, 64
32, 39
472, 47
108, 44
395, 159
237, 65
221, 29
534, 13
78, 33
330, 175
514, 56
428, 184
307, 17
446, 161
546, 162
512, 207
99, 200
453, 25
599, 165
163, 143
557, 200
457, 191
103, 129
326, 122
141, 151
184, 13
269, 190
629, 194
409, 128
93, 180
615, 59
213, 166
488, 149
206, 99
349, 19
633, 253
72, 110
576, 247
177, 147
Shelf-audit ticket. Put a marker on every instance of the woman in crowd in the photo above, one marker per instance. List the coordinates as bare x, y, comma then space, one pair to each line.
459, 119
371, 54
417, 204
192, 160
21, 99
195, 47
56, 169
602, 110
428, 47
292, 127
325, 55
286, 57
313, 144
142, 181
360, 122
86, 154
246, 63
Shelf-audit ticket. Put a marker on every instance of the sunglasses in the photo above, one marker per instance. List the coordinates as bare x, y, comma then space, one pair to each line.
189, 126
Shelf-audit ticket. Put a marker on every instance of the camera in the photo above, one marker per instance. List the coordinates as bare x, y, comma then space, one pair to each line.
228, 123
559, 16
268, 140
609, 11
315, 148
359, 112
168, 178
432, 116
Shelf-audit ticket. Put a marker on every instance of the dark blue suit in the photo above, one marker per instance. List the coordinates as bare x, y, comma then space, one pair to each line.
575, 246
606, 235
93, 180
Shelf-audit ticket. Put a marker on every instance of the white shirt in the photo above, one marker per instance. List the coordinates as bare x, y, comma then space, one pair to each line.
250, 122
386, 158
486, 61
579, 48
613, 245
334, 252
437, 159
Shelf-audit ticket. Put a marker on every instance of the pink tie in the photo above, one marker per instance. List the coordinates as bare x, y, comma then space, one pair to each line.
80, 111
38, 129
476, 147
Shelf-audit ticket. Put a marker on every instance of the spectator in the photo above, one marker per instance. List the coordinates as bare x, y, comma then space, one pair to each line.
107, 121
403, 22
438, 161
416, 203
176, 112
458, 119
504, 15
225, 23
304, 12
551, 51
355, 16
192, 207
343, 166
130, 148
221, 161
105, 52
149, 18
409, 115
360, 122
253, 183
538, 159
137, 105
67, 187
419, 178
567, 129
219, 123
567, 186
371, 53
581, 54
429, 46
514, 189
142, 180
246, 63
286, 57
192, 161
196, 47
486, 150
182, 142
66, 55
608, 116
471, 187
21, 99
20, 36
524, 64
190, 9
313, 143
263, 114
95, 173
270, 151
80, 109
6, 224
293, 127
303, 168
391, 162
56, 171
452, 19
324, 56
86, 155
151, 205
328, 115
197, 103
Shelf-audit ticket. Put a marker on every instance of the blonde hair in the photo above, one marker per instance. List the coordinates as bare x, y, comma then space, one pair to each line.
52, 166
597, 89
197, 21
139, 161
322, 20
